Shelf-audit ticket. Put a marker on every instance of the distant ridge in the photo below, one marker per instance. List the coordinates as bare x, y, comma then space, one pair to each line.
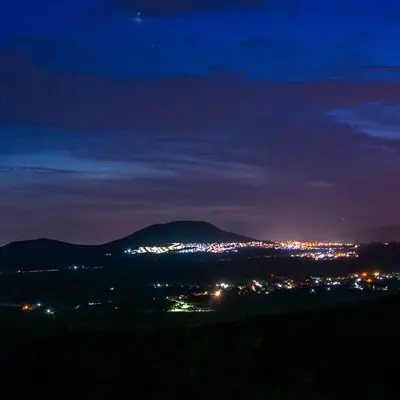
53, 252
178, 231
46, 252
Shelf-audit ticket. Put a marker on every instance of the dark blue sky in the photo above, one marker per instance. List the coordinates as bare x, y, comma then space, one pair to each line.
277, 119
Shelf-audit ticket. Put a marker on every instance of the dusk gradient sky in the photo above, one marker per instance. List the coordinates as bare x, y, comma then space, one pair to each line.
278, 119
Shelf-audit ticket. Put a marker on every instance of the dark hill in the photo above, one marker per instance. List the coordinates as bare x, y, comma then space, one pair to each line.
39, 245
178, 231
44, 252
47, 252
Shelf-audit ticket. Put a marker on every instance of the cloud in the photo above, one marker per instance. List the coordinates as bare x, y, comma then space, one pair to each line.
33, 96
91, 156
375, 119
27, 169
212, 128
56, 164
179, 7
212, 169
137, 151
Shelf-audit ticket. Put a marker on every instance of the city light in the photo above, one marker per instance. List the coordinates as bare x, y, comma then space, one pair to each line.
311, 250
28, 307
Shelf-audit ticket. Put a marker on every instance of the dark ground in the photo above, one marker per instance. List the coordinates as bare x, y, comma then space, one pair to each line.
328, 354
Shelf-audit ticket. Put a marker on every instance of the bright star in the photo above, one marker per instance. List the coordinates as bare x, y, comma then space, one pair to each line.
138, 19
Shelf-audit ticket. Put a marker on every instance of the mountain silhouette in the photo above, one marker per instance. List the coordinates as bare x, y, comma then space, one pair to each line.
44, 252
177, 232
48, 252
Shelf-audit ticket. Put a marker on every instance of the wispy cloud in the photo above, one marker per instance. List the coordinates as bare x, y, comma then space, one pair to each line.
55, 164
27, 169
141, 163
211, 169
377, 120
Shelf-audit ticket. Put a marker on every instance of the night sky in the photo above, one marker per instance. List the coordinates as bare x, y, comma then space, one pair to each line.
277, 119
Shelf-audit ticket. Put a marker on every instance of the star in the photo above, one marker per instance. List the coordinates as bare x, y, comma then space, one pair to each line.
137, 18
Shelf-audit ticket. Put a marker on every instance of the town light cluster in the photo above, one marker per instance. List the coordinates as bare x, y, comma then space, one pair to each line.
312, 250
196, 247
